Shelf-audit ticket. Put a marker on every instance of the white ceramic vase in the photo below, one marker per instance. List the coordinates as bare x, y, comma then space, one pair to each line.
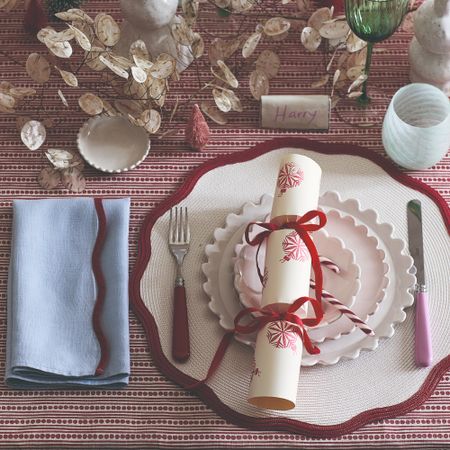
151, 21
429, 52
416, 127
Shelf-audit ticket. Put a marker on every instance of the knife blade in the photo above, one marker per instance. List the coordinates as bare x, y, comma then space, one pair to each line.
423, 343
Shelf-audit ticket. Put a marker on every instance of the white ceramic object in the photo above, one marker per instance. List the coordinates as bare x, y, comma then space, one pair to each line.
373, 277
432, 68
343, 286
112, 144
416, 78
370, 241
416, 127
429, 52
151, 21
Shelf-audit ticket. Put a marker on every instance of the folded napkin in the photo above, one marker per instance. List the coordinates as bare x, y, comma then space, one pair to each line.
68, 294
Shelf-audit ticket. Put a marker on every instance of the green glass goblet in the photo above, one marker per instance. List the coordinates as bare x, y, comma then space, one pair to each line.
374, 21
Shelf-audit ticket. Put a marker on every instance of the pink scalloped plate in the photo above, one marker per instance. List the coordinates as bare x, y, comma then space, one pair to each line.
370, 260
383, 272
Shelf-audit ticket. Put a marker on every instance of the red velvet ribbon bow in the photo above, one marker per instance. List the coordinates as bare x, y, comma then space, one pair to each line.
257, 322
261, 317
303, 226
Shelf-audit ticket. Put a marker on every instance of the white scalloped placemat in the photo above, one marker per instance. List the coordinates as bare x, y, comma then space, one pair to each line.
326, 395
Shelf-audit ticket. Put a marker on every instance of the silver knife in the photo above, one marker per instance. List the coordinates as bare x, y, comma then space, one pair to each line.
423, 344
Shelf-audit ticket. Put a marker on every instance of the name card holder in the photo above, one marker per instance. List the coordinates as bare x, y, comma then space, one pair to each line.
296, 112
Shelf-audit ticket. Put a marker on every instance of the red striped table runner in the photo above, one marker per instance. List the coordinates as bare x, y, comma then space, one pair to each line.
152, 411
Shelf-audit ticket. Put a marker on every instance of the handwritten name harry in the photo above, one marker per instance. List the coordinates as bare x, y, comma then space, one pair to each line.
283, 113
295, 112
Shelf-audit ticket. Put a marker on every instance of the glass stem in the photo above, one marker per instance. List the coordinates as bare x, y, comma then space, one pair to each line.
370, 45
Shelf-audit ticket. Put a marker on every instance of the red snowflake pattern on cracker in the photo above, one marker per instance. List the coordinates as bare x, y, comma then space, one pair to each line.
290, 176
294, 248
282, 334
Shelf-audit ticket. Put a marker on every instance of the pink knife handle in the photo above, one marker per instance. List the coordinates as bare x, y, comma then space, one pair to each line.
180, 330
424, 350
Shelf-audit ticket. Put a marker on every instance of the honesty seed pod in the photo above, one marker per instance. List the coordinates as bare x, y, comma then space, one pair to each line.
106, 29
251, 43
276, 26
33, 134
311, 38
213, 113
259, 84
38, 68
91, 104
269, 63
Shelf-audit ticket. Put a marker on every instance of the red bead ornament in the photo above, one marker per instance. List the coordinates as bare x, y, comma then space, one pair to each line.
35, 17
197, 130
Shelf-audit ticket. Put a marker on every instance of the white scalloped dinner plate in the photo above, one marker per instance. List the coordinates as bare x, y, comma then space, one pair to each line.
356, 227
374, 277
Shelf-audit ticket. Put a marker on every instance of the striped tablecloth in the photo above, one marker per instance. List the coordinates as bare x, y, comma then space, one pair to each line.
152, 411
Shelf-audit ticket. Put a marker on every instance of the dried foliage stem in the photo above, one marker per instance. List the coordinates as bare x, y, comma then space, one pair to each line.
83, 63
41, 102
136, 85
11, 58
258, 15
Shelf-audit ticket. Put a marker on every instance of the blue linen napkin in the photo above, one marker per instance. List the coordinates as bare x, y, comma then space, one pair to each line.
52, 291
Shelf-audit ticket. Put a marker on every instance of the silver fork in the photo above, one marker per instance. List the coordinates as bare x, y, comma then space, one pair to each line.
179, 238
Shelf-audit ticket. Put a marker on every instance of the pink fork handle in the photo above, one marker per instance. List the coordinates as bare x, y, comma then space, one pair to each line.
424, 350
180, 330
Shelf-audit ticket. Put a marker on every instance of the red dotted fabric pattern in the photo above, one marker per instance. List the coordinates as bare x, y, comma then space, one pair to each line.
152, 411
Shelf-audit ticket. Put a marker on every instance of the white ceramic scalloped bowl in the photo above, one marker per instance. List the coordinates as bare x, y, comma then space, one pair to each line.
112, 144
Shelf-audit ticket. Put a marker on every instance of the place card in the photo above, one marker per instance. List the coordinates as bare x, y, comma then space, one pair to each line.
295, 112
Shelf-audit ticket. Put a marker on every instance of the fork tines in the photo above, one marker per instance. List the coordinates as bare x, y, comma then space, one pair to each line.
179, 232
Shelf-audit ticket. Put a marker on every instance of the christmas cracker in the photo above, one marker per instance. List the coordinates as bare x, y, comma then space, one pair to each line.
287, 271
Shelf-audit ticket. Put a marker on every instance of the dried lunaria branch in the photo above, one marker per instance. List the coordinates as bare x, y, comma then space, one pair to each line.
140, 82
66, 167
349, 66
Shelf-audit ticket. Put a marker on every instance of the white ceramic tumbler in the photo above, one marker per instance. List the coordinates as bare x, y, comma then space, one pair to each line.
416, 127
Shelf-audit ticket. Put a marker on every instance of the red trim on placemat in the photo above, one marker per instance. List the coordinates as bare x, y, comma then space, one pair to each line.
101, 287
205, 392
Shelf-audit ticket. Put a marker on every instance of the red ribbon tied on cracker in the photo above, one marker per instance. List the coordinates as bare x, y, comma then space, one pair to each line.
261, 317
